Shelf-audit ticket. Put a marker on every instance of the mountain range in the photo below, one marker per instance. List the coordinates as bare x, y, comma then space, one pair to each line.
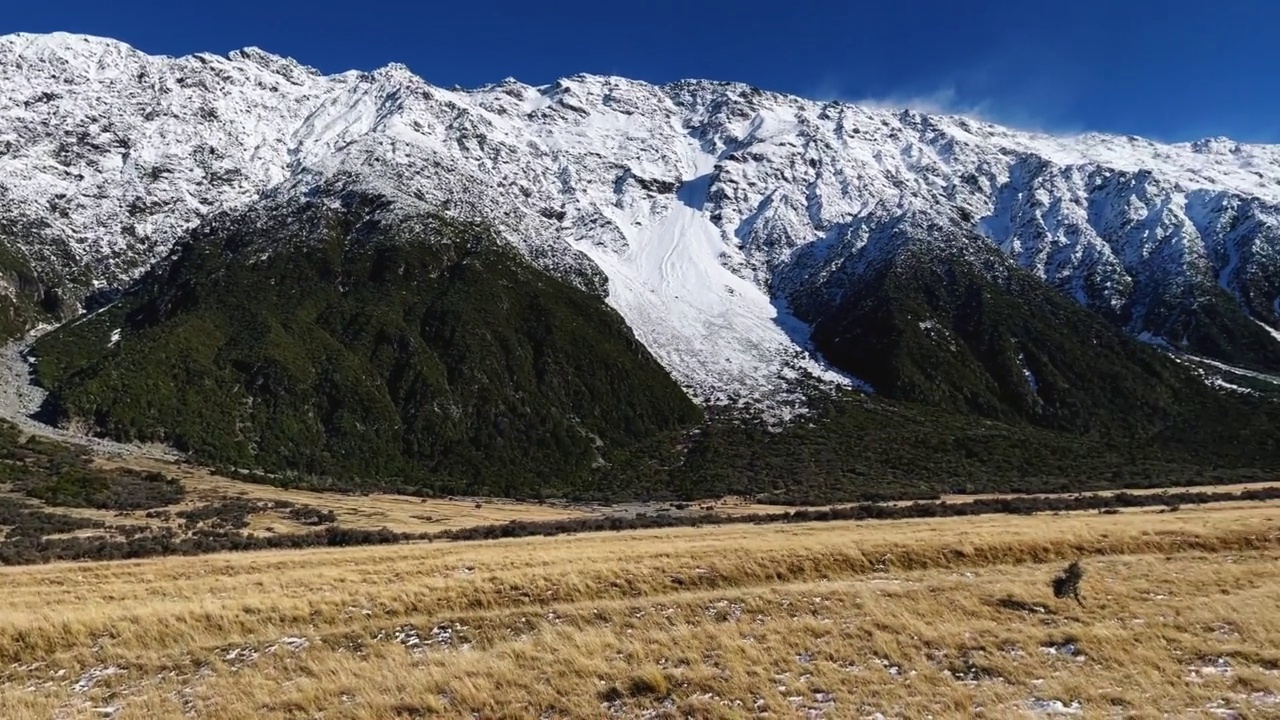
374, 276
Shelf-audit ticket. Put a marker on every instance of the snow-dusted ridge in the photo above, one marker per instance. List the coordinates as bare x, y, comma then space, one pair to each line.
709, 207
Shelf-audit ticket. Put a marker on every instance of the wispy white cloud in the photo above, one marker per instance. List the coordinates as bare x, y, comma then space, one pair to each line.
949, 100
981, 91
944, 100
941, 100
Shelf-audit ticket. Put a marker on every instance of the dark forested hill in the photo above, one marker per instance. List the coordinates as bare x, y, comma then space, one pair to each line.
347, 343
425, 351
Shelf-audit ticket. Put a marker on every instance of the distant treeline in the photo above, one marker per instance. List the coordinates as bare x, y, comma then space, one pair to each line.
1025, 505
26, 550
25, 547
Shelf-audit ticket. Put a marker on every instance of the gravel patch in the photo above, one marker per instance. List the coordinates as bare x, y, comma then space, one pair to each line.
21, 399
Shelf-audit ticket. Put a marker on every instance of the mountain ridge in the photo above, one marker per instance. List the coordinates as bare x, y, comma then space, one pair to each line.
703, 211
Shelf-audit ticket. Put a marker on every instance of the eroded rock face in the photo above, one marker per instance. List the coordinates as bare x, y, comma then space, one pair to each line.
25, 301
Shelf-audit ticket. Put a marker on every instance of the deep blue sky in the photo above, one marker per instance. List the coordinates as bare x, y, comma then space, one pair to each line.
1171, 69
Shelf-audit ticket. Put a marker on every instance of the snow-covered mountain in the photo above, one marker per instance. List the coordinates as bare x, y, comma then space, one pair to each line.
713, 210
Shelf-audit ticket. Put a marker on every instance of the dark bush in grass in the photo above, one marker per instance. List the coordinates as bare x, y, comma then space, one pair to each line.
26, 521
27, 550
118, 490
307, 515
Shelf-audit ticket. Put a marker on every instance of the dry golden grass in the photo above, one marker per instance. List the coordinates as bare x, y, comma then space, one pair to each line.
1239, 487
924, 618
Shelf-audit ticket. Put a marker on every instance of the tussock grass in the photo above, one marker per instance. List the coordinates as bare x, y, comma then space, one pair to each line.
944, 618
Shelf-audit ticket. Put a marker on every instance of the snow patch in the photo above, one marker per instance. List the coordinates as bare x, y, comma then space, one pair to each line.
91, 677
1210, 667
1149, 338
1233, 369
937, 333
1221, 384
1054, 707
1067, 650
444, 636
1270, 330
293, 644
1032, 384
721, 336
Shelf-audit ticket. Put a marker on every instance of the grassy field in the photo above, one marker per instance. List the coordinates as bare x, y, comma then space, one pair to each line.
911, 619
406, 514
399, 513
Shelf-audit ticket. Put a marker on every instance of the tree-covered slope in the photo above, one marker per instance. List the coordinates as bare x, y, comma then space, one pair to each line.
945, 320
986, 379
347, 343
336, 342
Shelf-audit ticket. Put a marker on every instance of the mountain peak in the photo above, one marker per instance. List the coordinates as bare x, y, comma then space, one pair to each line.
1217, 145
59, 39
397, 70
270, 61
72, 48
